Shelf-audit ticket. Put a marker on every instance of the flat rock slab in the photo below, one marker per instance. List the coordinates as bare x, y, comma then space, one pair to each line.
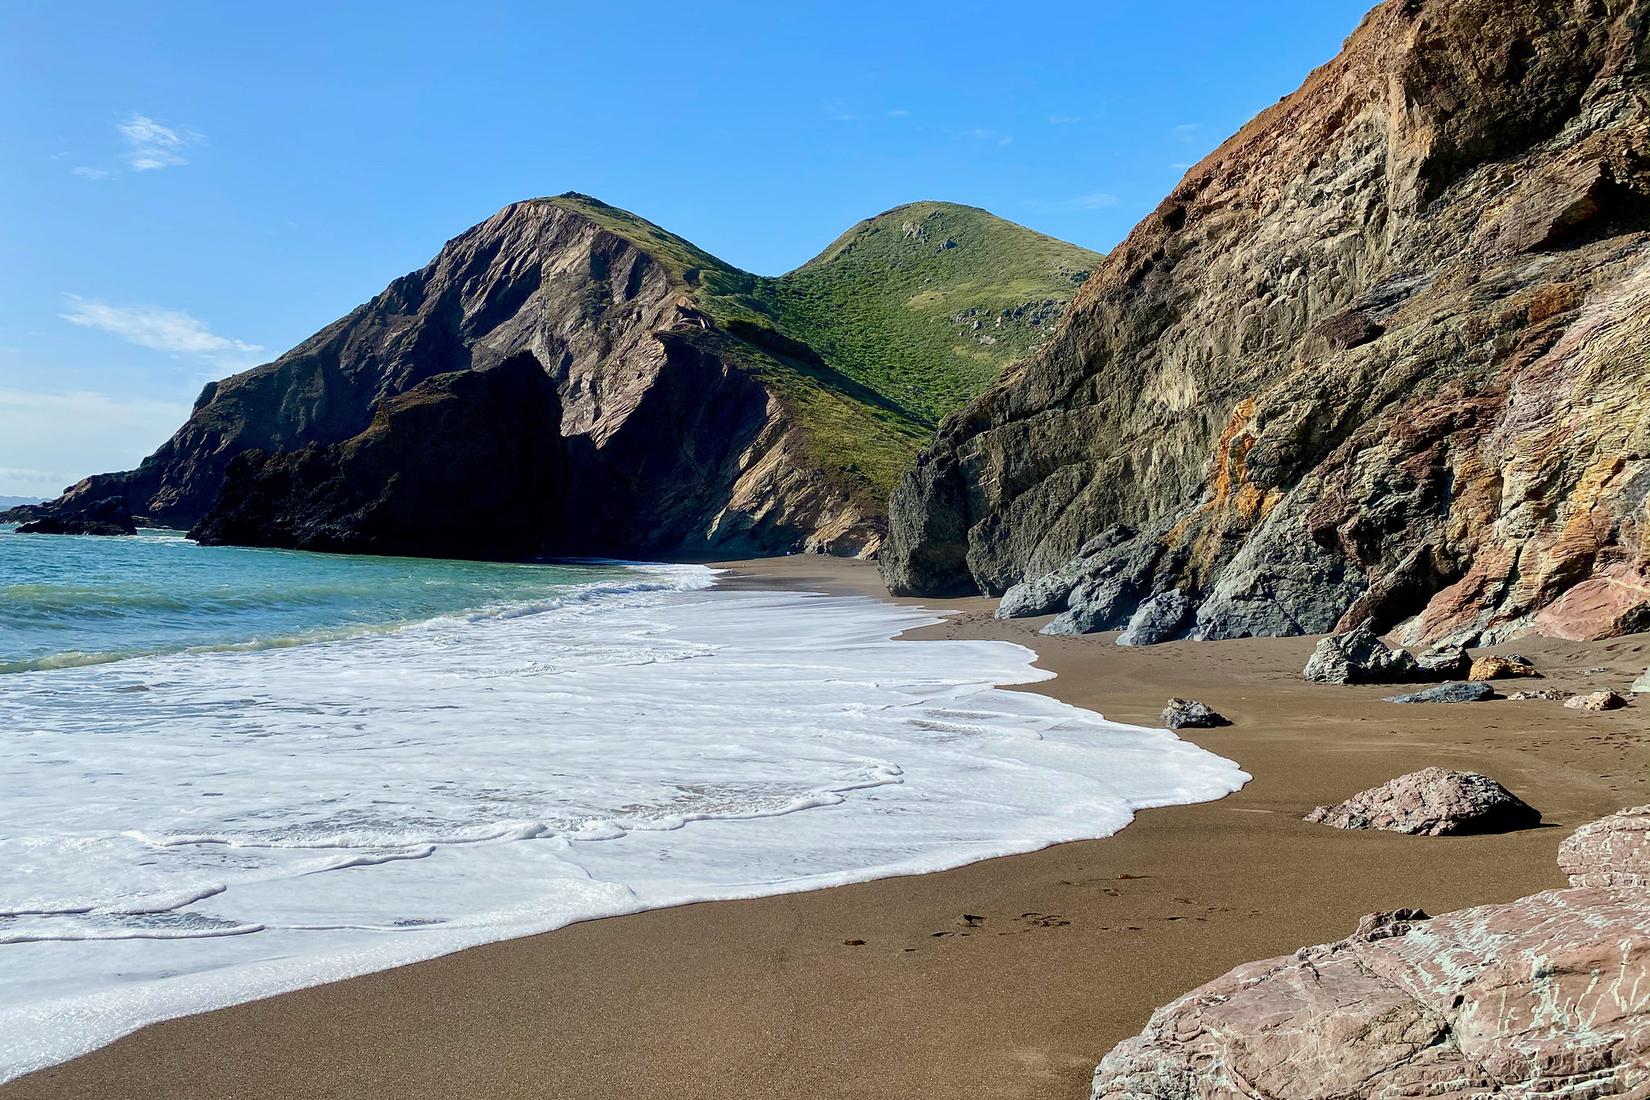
1612, 852
1546, 996
1464, 692
1432, 802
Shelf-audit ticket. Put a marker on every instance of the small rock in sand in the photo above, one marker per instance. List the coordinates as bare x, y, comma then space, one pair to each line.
1462, 692
1183, 714
1595, 701
1432, 802
1496, 666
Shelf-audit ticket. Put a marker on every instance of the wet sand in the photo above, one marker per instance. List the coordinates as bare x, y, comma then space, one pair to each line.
1066, 952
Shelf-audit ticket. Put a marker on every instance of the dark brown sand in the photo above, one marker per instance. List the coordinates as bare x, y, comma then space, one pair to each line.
778, 997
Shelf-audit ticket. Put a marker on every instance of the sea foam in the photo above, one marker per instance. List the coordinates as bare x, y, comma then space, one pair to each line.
260, 819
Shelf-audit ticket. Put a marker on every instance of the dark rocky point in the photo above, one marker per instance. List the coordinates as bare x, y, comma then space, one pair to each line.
107, 516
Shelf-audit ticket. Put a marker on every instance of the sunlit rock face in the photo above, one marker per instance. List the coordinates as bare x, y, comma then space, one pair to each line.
1383, 357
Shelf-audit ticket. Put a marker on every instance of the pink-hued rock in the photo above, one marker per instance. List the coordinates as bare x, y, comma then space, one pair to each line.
1596, 701
1548, 996
1602, 606
1611, 852
1432, 802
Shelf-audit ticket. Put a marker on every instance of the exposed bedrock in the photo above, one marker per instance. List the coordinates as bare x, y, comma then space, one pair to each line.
1383, 357
1614, 851
1545, 996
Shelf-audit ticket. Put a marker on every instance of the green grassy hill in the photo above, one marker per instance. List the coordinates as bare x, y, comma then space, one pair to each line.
904, 318
929, 302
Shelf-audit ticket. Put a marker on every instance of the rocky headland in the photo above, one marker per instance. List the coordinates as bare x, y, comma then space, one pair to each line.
1381, 359
695, 407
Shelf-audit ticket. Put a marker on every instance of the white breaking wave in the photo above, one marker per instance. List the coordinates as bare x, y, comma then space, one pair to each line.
257, 820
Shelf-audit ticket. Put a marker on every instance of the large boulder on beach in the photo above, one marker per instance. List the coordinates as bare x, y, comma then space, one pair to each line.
1432, 802
1547, 996
1614, 851
1358, 656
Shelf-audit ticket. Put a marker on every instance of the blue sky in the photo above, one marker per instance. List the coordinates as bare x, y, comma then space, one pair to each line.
191, 188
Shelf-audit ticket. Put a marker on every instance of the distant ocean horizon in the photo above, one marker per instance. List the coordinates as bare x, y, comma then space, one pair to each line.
232, 772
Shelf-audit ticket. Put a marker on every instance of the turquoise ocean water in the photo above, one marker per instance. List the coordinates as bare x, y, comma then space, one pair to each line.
67, 601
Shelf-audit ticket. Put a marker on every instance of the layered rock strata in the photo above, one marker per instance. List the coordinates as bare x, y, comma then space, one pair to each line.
1383, 357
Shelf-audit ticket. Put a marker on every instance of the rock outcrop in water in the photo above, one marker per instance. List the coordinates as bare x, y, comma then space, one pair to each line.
1546, 996
1383, 357
107, 516
703, 408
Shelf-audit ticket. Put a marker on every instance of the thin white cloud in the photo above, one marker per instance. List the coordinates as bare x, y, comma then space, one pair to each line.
151, 145
170, 330
58, 438
1187, 131
988, 137
899, 112
1063, 120
147, 146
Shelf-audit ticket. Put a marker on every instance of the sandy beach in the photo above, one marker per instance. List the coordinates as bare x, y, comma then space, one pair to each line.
1007, 978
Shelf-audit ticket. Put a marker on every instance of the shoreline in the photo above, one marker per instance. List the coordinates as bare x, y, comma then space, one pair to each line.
1066, 952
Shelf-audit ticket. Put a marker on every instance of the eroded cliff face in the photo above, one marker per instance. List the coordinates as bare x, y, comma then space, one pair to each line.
442, 471
672, 442
1382, 357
